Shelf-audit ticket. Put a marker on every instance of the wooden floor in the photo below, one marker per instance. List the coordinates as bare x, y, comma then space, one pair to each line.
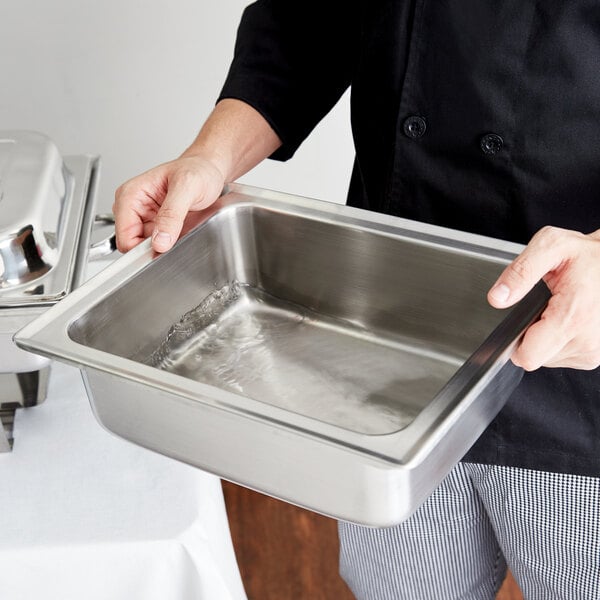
287, 553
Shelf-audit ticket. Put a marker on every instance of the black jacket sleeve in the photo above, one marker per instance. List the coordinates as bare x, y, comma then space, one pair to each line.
292, 62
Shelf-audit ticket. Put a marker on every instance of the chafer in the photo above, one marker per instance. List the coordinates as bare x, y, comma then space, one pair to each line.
46, 215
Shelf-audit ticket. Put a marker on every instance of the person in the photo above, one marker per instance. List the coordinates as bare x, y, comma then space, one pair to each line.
479, 115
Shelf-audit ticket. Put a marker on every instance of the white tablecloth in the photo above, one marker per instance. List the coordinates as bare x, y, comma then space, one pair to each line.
85, 515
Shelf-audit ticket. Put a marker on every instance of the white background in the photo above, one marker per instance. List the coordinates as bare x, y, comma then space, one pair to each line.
133, 80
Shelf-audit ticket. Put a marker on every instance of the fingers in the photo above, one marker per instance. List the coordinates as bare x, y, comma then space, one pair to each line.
157, 202
134, 208
543, 341
543, 346
544, 254
568, 331
565, 336
183, 192
188, 189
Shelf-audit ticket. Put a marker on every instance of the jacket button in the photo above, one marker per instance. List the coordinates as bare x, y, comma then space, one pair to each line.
414, 127
491, 143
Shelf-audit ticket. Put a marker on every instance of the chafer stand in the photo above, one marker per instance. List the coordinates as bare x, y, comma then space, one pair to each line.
19, 390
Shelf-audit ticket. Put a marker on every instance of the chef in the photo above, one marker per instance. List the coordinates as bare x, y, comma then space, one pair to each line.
479, 115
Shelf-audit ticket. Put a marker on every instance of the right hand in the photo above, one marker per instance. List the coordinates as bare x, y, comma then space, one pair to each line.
156, 202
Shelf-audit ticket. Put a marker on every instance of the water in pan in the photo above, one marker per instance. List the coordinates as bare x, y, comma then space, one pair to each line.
243, 340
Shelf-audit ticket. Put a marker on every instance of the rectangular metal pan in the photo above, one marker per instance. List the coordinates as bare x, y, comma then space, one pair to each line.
335, 358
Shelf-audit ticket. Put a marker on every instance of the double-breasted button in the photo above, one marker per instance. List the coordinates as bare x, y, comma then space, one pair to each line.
414, 126
491, 143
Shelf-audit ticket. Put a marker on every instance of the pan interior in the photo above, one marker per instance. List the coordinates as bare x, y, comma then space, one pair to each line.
246, 341
348, 326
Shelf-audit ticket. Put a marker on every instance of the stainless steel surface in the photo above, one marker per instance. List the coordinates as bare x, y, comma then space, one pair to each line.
23, 389
36, 210
7, 420
32, 171
46, 213
19, 390
338, 359
46, 216
106, 245
247, 341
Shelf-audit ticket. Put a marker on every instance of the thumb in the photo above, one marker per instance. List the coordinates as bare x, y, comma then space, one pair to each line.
542, 255
170, 216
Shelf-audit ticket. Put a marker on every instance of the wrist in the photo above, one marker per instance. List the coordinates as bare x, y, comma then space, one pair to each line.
234, 139
212, 158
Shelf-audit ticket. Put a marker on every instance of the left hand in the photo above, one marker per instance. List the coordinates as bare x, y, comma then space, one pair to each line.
568, 331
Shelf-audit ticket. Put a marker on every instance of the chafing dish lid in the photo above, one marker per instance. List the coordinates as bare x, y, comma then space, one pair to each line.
39, 224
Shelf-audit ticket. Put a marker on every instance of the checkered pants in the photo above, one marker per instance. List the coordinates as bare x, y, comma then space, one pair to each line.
545, 526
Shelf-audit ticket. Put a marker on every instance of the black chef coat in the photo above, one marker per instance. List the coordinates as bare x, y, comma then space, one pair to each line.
480, 115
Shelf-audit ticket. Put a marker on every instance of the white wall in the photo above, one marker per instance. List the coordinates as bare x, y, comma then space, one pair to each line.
133, 80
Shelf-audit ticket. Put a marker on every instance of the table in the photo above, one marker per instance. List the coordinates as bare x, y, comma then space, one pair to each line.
85, 515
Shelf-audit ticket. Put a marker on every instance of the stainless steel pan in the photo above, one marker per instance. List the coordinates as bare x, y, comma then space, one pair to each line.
335, 358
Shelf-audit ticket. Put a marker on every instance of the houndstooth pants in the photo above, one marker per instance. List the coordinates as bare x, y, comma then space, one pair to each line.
545, 526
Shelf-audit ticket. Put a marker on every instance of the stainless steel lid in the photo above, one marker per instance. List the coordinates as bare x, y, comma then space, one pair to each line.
40, 221
46, 215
